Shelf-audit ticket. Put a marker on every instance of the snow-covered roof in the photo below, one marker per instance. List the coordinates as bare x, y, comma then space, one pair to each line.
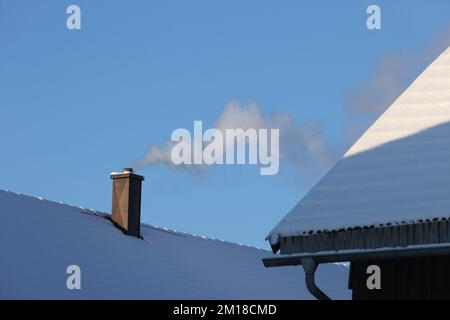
397, 172
39, 239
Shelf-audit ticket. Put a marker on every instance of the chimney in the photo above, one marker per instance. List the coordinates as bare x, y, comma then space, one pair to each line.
126, 201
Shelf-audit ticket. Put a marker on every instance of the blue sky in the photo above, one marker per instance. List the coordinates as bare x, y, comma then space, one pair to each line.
76, 105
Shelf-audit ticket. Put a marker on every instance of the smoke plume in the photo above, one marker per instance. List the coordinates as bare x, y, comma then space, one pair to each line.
301, 145
304, 145
393, 73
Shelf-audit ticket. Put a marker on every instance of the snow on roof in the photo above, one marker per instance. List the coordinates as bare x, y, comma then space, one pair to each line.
39, 239
397, 172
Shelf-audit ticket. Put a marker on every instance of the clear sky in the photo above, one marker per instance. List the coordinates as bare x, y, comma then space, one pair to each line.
76, 105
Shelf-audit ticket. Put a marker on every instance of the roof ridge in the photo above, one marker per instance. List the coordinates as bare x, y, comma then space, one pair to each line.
143, 224
178, 232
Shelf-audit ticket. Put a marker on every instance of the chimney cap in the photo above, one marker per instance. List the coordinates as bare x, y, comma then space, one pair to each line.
126, 173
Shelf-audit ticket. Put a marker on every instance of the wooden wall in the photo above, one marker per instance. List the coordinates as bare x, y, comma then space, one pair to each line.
404, 279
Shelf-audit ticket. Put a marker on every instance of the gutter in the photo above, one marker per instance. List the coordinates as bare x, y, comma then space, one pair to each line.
310, 261
310, 267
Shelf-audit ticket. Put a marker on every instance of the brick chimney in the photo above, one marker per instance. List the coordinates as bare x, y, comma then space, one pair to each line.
126, 201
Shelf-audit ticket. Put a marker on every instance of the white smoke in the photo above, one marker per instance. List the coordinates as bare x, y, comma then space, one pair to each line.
305, 145
393, 73
301, 145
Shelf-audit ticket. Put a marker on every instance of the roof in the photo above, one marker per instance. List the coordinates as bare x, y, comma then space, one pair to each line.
40, 239
398, 172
